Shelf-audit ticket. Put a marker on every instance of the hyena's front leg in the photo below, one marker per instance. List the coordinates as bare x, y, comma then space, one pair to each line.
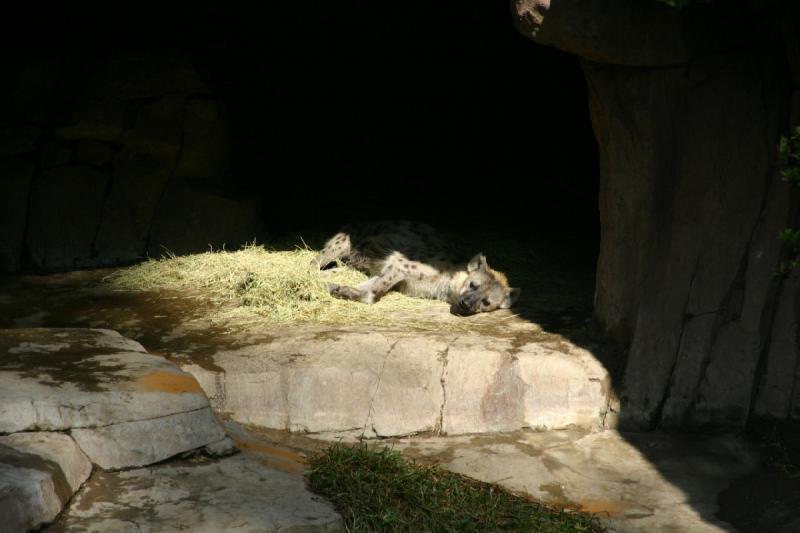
372, 290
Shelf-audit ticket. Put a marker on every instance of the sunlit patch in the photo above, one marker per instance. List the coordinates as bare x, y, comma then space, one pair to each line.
255, 286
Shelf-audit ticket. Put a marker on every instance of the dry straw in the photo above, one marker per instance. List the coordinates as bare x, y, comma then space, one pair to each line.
259, 286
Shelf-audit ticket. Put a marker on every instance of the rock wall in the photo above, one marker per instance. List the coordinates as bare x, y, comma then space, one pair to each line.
106, 159
687, 107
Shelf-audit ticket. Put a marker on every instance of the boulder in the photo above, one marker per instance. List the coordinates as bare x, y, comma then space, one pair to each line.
123, 406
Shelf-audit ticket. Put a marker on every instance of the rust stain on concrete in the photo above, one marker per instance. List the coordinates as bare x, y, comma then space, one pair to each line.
257, 447
273, 457
609, 508
168, 382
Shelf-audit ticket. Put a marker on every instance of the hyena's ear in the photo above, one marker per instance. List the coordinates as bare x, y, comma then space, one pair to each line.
510, 297
477, 263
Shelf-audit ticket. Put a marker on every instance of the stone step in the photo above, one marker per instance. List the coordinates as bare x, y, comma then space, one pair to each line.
387, 383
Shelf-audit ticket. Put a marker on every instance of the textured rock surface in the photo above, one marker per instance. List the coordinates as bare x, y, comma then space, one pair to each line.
15, 183
629, 32
190, 219
39, 473
19, 139
781, 366
93, 153
144, 442
123, 125
65, 208
97, 120
236, 493
690, 201
206, 142
140, 74
124, 406
396, 383
139, 179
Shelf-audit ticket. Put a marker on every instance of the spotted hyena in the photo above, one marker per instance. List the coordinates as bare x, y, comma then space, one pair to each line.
412, 258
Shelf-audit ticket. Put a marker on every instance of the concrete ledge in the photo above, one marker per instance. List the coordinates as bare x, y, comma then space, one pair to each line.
390, 383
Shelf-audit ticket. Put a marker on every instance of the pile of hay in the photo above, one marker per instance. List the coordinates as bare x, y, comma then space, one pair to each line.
275, 287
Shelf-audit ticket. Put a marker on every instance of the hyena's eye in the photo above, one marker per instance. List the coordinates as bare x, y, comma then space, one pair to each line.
486, 302
474, 285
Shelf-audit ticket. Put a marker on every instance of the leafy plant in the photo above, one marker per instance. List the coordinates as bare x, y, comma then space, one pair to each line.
789, 154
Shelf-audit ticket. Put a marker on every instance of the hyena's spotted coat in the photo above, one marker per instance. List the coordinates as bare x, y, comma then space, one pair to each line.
412, 258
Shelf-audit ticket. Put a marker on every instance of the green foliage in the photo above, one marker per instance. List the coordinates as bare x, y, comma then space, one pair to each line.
789, 155
380, 491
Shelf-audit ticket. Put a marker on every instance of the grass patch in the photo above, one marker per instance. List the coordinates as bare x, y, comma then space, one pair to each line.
259, 286
380, 491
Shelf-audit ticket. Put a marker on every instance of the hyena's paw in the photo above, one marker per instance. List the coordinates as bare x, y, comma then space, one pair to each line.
350, 293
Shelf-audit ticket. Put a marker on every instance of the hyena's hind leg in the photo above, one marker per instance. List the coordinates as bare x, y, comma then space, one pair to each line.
373, 289
337, 247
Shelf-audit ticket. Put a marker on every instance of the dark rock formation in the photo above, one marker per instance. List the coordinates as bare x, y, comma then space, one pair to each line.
190, 219
15, 182
687, 117
65, 207
91, 146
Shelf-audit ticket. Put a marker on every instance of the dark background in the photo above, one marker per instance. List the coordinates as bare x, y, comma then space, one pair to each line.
349, 111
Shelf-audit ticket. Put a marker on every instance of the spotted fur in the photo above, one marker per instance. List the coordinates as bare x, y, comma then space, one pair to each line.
412, 258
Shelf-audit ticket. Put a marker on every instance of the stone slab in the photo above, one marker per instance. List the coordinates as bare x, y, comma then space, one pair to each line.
144, 442
232, 494
124, 407
59, 379
39, 473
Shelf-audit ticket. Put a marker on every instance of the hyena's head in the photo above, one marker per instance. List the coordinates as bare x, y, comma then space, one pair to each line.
483, 290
